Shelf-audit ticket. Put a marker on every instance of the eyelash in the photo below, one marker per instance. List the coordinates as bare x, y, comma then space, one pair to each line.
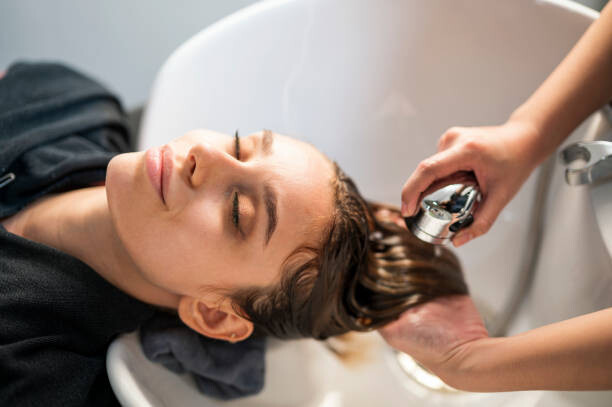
237, 145
236, 211
235, 203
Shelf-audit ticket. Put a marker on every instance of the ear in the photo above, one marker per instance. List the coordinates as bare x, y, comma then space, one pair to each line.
214, 320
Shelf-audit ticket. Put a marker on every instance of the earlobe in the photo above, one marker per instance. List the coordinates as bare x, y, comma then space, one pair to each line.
213, 321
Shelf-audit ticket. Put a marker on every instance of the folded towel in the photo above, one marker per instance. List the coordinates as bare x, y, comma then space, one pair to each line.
221, 369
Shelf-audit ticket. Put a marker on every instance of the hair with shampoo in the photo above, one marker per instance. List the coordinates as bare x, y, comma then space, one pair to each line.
365, 274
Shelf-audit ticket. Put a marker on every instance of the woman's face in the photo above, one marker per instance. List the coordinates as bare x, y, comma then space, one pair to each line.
197, 214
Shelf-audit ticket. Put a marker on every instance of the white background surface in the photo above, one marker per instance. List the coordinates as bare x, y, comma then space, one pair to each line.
122, 43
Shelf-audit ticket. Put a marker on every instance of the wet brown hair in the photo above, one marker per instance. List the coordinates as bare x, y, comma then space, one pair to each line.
365, 274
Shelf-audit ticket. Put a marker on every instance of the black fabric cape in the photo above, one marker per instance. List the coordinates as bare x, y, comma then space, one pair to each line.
58, 130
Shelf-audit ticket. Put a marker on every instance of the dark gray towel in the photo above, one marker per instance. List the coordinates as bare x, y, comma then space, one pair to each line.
221, 369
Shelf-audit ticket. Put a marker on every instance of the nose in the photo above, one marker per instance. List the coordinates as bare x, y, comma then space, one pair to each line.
205, 162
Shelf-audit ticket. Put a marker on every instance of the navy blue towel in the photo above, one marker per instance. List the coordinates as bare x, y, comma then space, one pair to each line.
221, 369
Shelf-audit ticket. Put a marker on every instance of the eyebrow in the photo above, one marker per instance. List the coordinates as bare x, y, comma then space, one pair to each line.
270, 203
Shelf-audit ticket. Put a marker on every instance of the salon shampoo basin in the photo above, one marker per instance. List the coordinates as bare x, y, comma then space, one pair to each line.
373, 84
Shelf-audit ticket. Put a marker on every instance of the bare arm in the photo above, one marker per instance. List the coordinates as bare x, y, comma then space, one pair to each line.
448, 337
502, 157
580, 84
575, 354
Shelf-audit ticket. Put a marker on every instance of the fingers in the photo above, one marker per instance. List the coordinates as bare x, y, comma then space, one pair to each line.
459, 177
449, 137
484, 217
436, 167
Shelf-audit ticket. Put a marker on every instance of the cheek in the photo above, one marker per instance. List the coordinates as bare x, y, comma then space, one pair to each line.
202, 220
182, 252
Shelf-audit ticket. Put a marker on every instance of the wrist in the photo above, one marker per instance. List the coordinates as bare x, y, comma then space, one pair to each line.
531, 137
470, 368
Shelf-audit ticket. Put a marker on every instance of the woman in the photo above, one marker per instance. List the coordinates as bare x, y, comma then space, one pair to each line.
238, 235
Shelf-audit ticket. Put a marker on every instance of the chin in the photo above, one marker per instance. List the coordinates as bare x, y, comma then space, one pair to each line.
123, 186
120, 175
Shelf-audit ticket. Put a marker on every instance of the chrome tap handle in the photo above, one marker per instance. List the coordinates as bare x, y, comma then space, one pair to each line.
587, 162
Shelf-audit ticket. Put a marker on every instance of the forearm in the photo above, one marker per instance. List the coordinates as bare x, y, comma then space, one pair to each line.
581, 84
575, 354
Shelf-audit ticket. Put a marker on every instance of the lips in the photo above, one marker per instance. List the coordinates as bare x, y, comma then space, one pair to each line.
159, 169
166, 171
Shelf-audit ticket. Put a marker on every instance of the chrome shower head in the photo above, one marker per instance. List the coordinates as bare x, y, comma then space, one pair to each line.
444, 212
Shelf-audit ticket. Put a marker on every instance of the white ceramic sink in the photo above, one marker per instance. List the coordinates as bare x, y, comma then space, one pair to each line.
374, 85
305, 373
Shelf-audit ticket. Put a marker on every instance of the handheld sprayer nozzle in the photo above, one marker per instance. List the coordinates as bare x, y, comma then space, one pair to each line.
445, 211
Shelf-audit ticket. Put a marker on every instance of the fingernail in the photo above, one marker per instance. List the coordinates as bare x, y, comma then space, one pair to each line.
405, 210
462, 239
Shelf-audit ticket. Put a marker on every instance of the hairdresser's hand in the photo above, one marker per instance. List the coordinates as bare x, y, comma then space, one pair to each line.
438, 334
501, 158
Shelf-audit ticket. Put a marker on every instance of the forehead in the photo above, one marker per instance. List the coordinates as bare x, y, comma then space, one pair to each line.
303, 162
304, 181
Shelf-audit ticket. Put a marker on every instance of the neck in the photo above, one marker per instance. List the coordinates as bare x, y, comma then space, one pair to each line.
79, 223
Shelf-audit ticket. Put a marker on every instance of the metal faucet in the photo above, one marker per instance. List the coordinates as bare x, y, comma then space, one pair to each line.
587, 162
